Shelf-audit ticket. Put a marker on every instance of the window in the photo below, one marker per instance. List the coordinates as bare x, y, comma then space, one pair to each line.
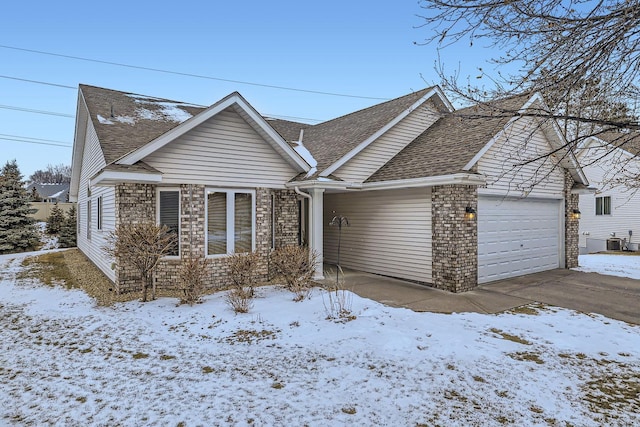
89, 219
169, 213
99, 214
230, 221
603, 205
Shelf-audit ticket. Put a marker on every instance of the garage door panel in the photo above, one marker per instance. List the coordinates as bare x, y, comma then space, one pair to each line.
517, 237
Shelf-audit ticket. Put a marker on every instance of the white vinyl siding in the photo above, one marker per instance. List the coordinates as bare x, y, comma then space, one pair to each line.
389, 232
520, 142
383, 149
223, 151
517, 237
92, 162
625, 204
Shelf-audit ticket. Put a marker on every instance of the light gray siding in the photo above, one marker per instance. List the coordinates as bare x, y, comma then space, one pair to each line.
389, 232
223, 151
380, 151
625, 203
520, 142
92, 162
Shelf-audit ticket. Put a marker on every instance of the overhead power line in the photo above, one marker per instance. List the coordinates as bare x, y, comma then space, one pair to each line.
29, 110
29, 140
39, 82
199, 76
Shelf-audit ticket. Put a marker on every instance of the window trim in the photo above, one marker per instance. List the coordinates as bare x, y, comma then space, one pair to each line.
601, 202
175, 189
230, 192
99, 214
89, 219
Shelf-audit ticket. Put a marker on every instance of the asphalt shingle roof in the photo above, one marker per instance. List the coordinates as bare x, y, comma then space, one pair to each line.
449, 144
126, 121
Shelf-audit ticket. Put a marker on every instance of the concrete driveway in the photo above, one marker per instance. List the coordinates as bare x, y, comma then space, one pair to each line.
614, 297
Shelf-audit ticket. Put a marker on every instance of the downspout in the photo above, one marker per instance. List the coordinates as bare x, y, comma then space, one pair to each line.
307, 196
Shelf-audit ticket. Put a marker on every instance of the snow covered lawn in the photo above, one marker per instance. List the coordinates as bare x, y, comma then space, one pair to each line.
64, 361
613, 265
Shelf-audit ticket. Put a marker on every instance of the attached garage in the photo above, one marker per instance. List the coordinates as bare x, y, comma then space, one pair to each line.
518, 236
389, 232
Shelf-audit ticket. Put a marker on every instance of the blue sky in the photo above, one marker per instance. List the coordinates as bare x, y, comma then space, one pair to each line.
359, 48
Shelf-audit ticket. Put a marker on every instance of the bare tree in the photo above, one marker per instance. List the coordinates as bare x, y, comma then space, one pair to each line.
583, 56
58, 174
141, 246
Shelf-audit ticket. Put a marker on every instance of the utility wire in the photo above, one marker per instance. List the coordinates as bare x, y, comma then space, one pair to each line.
199, 76
28, 141
29, 110
35, 139
75, 88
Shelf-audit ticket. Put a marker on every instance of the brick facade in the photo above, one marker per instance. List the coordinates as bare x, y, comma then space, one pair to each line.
136, 203
455, 238
571, 235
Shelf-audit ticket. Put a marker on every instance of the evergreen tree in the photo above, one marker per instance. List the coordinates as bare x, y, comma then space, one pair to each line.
17, 231
67, 236
56, 220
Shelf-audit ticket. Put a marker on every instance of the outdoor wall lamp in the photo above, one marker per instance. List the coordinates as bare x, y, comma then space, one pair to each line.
469, 212
575, 214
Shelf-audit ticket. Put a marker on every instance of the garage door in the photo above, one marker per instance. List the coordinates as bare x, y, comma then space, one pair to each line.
517, 237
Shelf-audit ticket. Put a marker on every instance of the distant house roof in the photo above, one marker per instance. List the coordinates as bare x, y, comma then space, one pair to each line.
628, 141
58, 192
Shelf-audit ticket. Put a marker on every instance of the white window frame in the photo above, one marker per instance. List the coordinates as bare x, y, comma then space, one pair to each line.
230, 192
602, 200
99, 214
158, 191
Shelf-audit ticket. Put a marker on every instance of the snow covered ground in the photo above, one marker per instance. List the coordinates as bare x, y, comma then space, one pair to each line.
613, 265
64, 361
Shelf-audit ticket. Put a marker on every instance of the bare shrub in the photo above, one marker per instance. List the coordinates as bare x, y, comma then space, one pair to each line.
339, 301
193, 273
240, 299
142, 245
296, 265
243, 270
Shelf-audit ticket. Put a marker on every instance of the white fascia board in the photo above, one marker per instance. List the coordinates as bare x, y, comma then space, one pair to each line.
78, 146
364, 144
488, 145
106, 178
588, 190
182, 128
337, 185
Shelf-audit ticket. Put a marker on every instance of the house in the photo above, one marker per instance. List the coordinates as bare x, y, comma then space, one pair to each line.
410, 177
49, 193
610, 218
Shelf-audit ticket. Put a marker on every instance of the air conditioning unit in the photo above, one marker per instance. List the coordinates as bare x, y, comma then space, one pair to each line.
614, 244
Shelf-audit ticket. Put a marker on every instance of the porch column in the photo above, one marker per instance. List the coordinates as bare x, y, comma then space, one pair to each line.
317, 229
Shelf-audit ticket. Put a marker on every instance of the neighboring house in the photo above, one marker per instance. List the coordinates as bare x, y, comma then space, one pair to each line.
49, 193
406, 173
610, 218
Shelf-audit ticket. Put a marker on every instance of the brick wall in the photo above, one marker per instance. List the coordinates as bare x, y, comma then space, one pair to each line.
137, 203
455, 238
571, 249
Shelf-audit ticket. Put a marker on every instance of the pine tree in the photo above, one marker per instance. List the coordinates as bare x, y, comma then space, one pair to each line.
67, 236
17, 231
56, 220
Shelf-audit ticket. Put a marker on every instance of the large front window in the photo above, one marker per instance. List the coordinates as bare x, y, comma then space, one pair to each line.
230, 221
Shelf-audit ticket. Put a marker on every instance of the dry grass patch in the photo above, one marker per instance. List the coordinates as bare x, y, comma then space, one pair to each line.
72, 269
509, 337
526, 356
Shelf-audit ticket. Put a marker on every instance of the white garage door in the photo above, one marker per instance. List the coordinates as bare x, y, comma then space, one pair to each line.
517, 237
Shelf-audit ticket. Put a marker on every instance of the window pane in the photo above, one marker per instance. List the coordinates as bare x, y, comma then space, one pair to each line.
217, 223
607, 206
170, 213
598, 205
242, 219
